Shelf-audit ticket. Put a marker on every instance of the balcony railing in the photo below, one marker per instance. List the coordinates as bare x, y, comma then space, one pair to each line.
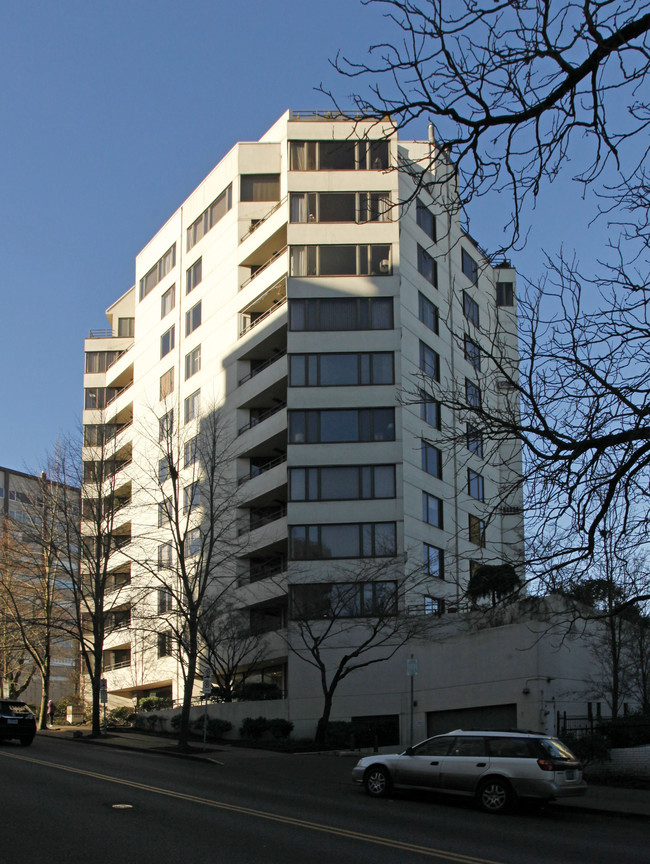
262, 469
253, 323
123, 664
118, 393
264, 415
263, 267
268, 568
258, 518
255, 225
271, 360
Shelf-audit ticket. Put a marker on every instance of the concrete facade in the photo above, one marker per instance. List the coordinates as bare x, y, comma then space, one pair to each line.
309, 289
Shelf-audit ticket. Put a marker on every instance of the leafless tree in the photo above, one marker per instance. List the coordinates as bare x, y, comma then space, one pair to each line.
91, 539
231, 647
514, 89
16, 670
189, 559
356, 620
519, 93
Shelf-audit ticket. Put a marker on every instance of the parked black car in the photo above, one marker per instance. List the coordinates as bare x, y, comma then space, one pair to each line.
17, 721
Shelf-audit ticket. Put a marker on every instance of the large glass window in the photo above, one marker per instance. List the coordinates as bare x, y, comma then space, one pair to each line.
193, 319
193, 276
336, 370
431, 510
339, 206
342, 483
434, 561
472, 353
476, 530
193, 362
168, 301
190, 497
427, 267
260, 187
429, 362
341, 425
351, 540
100, 361
209, 218
334, 313
430, 410
472, 394
192, 406
469, 266
167, 383
470, 309
167, 341
475, 485
431, 460
474, 440
343, 600
425, 219
166, 425
159, 270
341, 260
428, 313
339, 155
505, 294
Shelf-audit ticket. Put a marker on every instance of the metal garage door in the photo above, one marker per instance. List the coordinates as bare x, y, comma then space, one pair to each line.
483, 717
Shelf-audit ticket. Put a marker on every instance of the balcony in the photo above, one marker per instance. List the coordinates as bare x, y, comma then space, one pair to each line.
260, 516
260, 465
264, 568
263, 306
256, 223
259, 415
258, 366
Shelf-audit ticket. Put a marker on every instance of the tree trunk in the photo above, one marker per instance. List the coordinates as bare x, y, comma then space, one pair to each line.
188, 690
321, 729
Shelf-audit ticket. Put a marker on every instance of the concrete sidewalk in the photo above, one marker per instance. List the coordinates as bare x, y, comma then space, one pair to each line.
599, 799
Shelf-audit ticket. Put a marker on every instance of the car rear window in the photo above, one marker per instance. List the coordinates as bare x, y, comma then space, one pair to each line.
18, 708
511, 748
555, 748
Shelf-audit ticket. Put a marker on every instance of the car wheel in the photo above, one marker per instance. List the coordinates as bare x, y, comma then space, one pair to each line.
377, 781
25, 742
494, 795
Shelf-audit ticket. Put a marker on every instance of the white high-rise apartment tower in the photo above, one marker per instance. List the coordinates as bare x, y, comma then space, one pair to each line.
308, 290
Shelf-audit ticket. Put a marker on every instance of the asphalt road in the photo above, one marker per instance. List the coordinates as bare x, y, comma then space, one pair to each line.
73, 803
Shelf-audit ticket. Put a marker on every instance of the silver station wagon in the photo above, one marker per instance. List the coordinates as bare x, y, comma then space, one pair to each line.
495, 768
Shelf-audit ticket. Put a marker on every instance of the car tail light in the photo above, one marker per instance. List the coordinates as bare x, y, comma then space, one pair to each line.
546, 764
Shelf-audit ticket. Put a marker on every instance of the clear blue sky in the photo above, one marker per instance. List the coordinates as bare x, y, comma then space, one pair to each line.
111, 114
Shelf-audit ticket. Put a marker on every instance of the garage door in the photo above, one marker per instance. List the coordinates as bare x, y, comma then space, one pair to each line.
482, 717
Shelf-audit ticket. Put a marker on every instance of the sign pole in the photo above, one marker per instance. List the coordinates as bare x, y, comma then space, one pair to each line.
411, 671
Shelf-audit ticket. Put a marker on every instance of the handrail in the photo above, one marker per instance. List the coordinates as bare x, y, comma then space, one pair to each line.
265, 518
263, 316
271, 569
263, 267
271, 360
266, 467
263, 416
119, 393
123, 664
263, 219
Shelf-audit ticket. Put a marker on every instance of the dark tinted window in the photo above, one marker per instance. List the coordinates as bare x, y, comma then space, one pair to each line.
467, 746
513, 748
434, 746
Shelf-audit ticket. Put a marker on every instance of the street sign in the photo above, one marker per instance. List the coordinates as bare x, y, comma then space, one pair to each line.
207, 682
412, 666
103, 691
